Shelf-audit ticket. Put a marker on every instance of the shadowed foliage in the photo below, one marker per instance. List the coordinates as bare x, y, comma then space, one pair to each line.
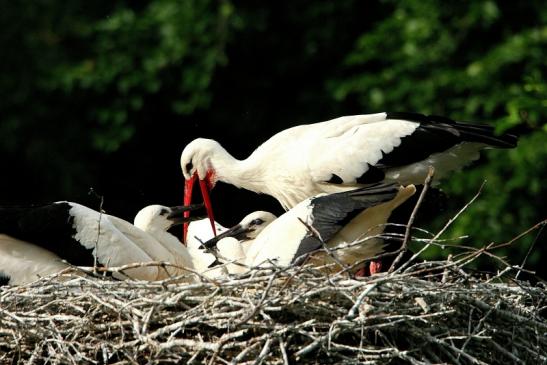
106, 94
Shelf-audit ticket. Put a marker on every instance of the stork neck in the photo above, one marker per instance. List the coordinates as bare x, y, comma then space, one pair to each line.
245, 174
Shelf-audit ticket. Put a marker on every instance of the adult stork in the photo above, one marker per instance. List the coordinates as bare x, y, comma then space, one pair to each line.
339, 155
350, 225
41, 240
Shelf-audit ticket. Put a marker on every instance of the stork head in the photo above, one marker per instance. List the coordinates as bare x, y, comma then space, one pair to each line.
159, 217
253, 224
196, 162
248, 229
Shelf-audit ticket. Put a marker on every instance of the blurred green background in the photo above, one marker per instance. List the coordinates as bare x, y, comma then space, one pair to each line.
104, 95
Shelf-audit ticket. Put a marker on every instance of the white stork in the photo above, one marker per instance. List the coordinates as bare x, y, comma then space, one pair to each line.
42, 240
203, 244
340, 155
246, 230
232, 245
349, 223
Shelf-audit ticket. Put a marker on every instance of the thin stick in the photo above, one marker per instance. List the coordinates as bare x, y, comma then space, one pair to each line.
543, 223
95, 263
448, 224
404, 245
330, 253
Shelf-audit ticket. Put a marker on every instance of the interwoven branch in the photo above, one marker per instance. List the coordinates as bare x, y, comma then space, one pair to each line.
300, 314
420, 313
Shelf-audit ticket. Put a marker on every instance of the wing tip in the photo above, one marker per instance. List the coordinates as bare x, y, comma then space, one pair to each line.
471, 132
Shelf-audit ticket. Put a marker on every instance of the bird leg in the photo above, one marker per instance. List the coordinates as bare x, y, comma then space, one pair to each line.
375, 267
372, 268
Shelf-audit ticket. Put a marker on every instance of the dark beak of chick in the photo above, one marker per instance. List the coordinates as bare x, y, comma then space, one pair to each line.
176, 216
237, 231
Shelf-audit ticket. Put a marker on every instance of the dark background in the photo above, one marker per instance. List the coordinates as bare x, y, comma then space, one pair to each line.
104, 96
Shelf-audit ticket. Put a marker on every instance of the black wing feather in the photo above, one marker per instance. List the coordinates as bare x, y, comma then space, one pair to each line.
437, 134
332, 212
48, 226
4, 278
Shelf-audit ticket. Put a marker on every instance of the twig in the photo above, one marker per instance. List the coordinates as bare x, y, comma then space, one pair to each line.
448, 224
404, 245
95, 263
75, 318
317, 235
542, 224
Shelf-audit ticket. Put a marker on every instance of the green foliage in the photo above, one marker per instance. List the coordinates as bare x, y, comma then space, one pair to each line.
128, 51
110, 64
481, 61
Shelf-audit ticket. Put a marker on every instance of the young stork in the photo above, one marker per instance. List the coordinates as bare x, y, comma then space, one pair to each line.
203, 244
349, 223
339, 155
231, 246
42, 240
246, 230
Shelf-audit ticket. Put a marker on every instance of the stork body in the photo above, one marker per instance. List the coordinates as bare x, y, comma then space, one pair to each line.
352, 218
233, 244
22, 262
347, 223
38, 241
343, 154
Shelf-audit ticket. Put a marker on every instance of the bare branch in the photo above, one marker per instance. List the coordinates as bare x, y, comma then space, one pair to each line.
404, 246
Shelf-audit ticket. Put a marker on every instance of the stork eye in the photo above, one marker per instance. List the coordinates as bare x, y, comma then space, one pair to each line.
164, 211
257, 222
189, 167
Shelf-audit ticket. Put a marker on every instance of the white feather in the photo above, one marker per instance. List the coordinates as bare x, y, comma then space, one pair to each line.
24, 262
116, 242
200, 231
231, 251
278, 243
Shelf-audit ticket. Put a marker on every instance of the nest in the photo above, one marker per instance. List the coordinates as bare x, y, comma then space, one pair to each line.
420, 313
433, 312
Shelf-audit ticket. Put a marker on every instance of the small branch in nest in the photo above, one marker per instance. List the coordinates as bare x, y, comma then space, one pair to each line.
404, 245
404, 316
540, 224
261, 302
95, 263
448, 224
317, 235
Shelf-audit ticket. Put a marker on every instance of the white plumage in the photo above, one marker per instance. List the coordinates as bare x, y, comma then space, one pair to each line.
343, 154
116, 242
38, 241
349, 223
22, 262
230, 243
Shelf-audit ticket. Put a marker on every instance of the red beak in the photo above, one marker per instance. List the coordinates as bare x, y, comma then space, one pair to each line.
188, 186
204, 187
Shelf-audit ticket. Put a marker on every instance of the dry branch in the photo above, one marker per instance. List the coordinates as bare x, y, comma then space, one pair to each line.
285, 316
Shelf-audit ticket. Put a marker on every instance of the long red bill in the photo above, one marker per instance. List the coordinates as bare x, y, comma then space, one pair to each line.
203, 185
188, 186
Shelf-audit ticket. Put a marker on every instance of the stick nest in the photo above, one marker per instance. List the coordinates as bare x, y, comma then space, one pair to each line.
432, 312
